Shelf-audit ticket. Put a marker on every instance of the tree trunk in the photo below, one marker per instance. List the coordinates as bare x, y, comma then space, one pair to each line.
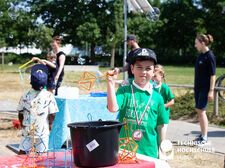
3, 59
92, 53
112, 62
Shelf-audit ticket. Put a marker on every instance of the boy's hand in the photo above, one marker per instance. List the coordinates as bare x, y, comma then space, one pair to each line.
112, 74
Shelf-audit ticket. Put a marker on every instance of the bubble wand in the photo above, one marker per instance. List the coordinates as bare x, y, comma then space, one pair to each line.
128, 147
88, 80
23, 68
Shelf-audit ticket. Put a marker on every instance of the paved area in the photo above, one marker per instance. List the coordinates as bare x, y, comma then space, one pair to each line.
183, 133
8, 106
4, 150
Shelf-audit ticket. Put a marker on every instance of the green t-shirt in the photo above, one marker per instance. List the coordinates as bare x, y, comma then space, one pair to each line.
166, 94
155, 115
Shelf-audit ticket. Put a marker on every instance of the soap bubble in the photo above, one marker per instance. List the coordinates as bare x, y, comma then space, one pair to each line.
72, 58
13, 12
11, 36
153, 16
81, 60
156, 10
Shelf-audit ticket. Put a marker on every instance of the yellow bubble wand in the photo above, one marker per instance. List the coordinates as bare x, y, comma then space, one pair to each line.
23, 68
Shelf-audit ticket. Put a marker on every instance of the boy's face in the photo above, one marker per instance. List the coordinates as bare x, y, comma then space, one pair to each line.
143, 71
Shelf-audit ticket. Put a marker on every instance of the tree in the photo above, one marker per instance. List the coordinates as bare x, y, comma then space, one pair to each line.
89, 32
115, 28
214, 23
175, 42
42, 36
67, 16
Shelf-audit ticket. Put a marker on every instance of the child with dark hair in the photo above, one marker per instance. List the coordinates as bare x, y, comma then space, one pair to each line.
37, 106
139, 103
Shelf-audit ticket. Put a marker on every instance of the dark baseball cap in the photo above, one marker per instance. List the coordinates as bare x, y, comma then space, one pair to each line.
143, 54
39, 76
131, 37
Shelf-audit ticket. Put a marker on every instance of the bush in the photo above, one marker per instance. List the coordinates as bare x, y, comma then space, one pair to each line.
21, 58
184, 105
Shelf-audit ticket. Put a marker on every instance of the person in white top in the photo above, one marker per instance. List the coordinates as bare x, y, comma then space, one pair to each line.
36, 107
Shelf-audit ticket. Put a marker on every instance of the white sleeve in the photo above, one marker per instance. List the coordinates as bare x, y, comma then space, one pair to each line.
52, 108
21, 104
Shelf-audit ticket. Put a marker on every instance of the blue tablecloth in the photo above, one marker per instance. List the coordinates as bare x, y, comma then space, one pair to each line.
76, 110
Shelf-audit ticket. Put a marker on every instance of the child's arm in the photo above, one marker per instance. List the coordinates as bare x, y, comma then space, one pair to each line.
111, 95
39, 60
20, 116
51, 118
161, 132
49, 63
170, 103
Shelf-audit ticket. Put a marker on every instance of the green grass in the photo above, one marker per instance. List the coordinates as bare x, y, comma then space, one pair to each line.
184, 75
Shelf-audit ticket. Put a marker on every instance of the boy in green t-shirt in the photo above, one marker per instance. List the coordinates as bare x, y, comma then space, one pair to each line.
139, 103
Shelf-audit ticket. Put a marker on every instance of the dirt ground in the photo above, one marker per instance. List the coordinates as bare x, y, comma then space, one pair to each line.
8, 134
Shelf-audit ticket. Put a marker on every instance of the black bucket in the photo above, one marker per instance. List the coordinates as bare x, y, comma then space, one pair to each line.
95, 143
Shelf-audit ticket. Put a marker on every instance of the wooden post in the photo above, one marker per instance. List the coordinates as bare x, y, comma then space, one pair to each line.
215, 107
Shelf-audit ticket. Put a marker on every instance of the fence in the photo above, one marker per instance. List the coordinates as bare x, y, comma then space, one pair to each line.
216, 91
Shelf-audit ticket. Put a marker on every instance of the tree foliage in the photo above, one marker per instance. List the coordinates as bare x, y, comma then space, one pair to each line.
100, 22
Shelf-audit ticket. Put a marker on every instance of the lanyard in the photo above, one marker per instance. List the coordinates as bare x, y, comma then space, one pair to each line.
160, 88
139, 122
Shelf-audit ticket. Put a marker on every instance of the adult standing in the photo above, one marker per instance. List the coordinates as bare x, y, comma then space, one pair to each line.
205, 70
61, 58
133, 45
